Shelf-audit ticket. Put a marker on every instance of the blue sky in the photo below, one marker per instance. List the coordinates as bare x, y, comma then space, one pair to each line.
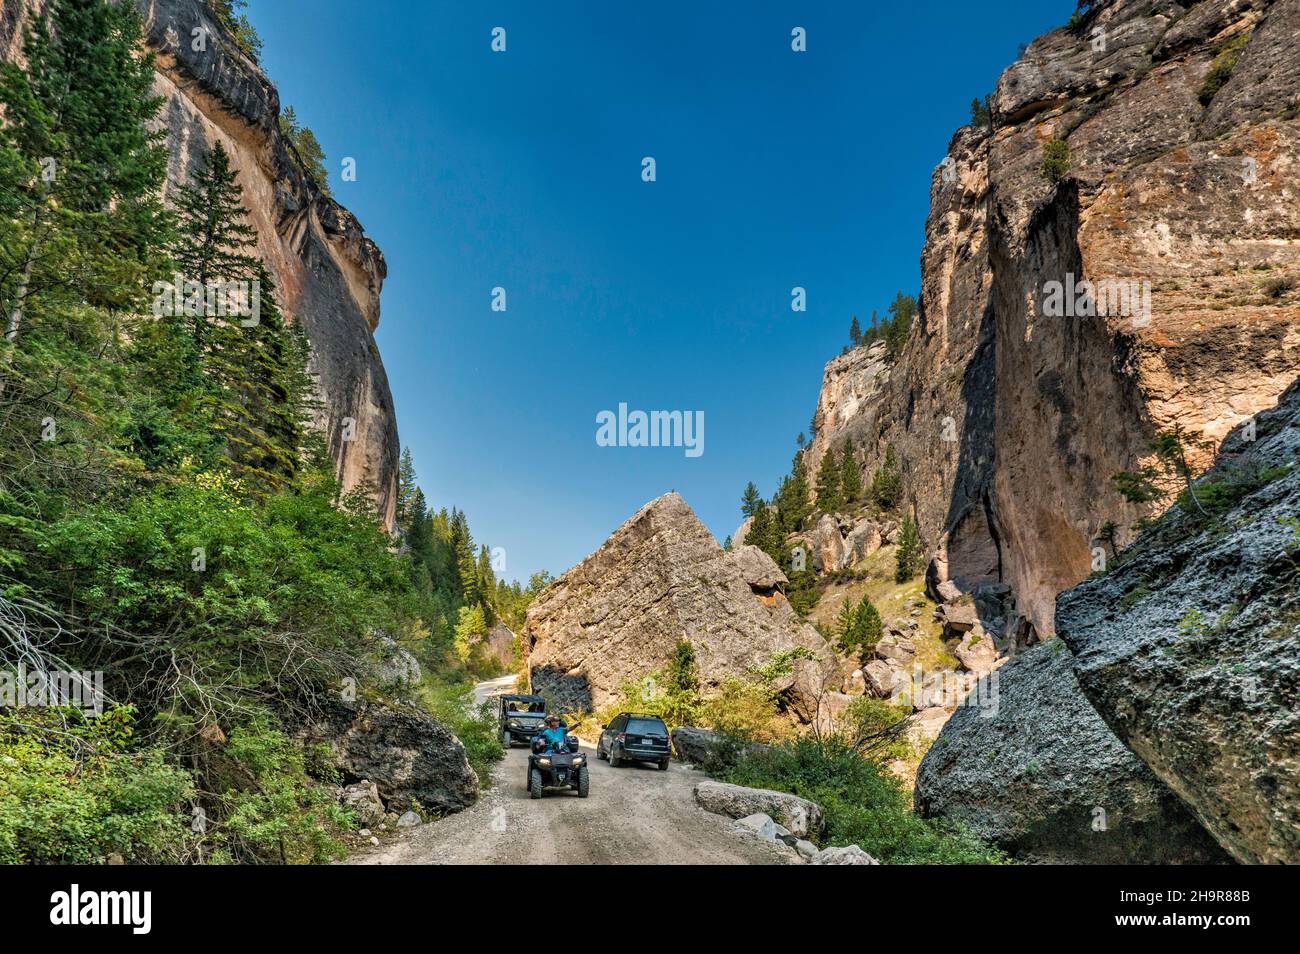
522, 170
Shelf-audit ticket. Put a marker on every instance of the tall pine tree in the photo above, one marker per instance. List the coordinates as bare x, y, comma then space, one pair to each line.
850, 476
908, 556
258, 390
830, 498
80, 216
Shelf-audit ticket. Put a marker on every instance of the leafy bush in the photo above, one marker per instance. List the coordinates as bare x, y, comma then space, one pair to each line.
1056, 161
864, 805
70, 794
269, 809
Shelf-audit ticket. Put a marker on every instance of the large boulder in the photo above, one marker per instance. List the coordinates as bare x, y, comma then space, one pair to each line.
977, 652
659, 579
757, 568
881, 678
1190, 648
364, 801
862, 541
799, 815
827, 545
395, 667
696, 746
1041, 776
404, 751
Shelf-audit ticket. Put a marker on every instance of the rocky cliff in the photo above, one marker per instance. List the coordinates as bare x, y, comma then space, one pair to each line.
1182, 124
660, 578
328, 273
1167, 707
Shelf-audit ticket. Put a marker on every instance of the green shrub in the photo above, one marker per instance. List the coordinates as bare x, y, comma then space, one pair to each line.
743, 710
475, 726
864, 805
269, 809
1224, 61
1056, 161
73, 796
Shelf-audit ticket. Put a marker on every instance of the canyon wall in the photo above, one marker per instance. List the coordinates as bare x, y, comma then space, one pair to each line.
1009, 419
328, 273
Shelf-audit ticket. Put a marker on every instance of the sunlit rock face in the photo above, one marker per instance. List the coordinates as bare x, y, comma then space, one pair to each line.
659, 579
328, 273
1008, 417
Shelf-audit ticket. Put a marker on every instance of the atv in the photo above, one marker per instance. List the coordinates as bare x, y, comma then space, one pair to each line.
567, 769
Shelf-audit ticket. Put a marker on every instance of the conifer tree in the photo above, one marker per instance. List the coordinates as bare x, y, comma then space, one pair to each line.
855, 332
792, 498
830, 497
258, 388
887, 484
908, 555
80, 216
212, 233
406, 490
850, 476
750, 500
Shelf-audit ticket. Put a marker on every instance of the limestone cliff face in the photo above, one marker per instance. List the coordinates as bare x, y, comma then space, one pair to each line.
328, 273
1008, 420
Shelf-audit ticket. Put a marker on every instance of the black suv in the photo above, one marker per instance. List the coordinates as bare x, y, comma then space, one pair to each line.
634, 738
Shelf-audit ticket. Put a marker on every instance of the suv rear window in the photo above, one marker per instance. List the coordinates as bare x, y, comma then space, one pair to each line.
646, 727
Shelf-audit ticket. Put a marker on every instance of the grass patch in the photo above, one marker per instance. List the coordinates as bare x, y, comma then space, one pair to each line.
864, 804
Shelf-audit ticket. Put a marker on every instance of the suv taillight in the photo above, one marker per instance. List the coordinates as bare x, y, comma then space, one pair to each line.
622, 736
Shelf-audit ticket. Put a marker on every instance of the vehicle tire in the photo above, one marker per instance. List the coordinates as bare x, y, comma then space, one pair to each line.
534, 784
599, 753
584, 782
614, 760
663, 766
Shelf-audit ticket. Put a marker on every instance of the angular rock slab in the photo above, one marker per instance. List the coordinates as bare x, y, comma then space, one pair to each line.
1047, 781
660, 578
1200, 673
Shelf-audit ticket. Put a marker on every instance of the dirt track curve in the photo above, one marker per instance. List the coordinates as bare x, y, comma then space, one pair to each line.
635, 814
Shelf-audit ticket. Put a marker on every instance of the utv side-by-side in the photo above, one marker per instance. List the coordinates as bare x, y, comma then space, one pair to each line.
521, 718
551, 769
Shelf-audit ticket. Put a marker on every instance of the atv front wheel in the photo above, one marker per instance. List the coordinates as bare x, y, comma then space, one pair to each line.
584, 782
505, 738
534, 784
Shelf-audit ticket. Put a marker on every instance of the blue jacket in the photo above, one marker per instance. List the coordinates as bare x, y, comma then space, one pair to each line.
555, 738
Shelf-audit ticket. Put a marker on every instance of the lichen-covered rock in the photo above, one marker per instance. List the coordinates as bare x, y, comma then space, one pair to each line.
827, 545
1042, 777
847, 855
1190, 648
757, 568
659, 579
404, 751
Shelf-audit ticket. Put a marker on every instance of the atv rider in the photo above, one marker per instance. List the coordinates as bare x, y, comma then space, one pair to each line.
554, 735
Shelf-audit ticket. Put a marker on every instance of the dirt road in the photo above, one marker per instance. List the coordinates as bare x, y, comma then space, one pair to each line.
635, 814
